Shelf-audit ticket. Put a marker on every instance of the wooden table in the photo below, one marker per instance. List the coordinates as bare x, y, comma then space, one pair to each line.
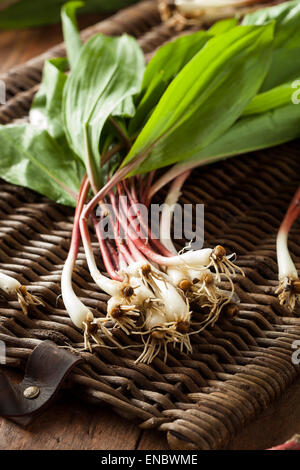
72, 424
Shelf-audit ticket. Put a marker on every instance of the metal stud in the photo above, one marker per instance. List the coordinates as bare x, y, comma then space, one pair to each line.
31, 392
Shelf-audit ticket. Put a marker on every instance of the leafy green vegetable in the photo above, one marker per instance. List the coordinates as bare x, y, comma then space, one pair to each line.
46, 109
222, 26
30, 157
162, 68
197, 102
108, 71
252, 133
27, 13
126, 108
70, 29
206, 97
272, 99
285, 64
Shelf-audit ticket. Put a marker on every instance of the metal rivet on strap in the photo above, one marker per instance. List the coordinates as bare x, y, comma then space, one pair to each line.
31, 392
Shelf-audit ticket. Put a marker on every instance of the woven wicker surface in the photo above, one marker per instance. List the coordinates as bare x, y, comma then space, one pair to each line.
237, 368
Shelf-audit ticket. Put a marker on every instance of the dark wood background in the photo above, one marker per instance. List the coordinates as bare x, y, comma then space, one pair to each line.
73, 424
16, 47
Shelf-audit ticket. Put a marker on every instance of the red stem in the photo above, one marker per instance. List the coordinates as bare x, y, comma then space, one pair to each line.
291, 214
137, 255
119, 242
104, 251
75, 238
150, 177
292, 444
145, 249
145, 228
118, 176
113, 254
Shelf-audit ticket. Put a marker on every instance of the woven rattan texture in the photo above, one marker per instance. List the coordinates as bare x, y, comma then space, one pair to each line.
237, 368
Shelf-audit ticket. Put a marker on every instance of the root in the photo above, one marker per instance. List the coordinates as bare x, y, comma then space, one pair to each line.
214, 314
148, 276
183, 341
25, 299
205, 289
92, 328
160, 337
288, 292
151, 350
105, 346
223, 265
124, 316
205, 294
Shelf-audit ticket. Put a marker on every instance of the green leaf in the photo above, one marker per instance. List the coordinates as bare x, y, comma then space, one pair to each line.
286, 17
28, 13
126, 108
275, 98
252, 133
33, 159
70, 29
206, 97
109, 70
285, 64
162, 68
46, 109
222, 26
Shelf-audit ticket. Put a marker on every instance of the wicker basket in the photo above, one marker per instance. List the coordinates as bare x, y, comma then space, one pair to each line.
238, 368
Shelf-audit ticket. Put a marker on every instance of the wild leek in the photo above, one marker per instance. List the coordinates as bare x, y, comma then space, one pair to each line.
11, 287
289, 284
99, 134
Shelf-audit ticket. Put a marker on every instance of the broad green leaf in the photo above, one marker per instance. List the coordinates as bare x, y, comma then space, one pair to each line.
222, 26
252, 133
109, 70
172, 57
285, 64
27, 13
162, 68
206, 97
70, 29
46, 109
286, 16
126, 108
275, 98
30, 157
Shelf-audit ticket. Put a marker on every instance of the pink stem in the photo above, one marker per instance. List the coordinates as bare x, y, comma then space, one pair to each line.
137, 255
105, 252
134, 252
139, 244
148, 185
292, 444
291, 214
119, 242
75, 238
113, 254
145, 228
118, 176
170, 175
180, 180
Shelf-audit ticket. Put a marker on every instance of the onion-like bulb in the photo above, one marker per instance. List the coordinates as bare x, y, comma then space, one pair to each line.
11, 286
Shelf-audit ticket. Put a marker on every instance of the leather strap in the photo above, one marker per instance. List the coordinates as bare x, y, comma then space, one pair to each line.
46, 369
